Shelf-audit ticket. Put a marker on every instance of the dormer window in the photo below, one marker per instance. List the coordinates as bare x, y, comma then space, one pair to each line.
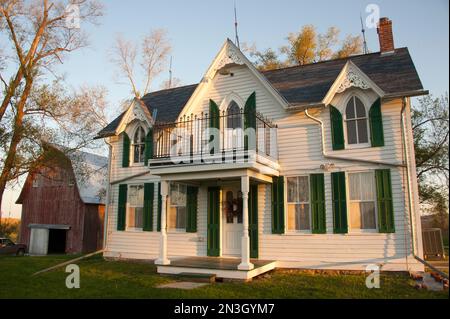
356, 122
138, 146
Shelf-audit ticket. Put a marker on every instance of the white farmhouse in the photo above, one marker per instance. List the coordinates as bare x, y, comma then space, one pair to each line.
302, 167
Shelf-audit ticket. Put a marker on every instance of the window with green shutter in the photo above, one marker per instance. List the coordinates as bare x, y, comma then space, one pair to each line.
122, 207
339, 203
337, 129
149, 146
191, 202
318, 216
125, 150
148, 206
384, 201
278, 205
376, 124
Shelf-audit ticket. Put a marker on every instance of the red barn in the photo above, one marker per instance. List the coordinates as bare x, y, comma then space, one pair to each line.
63, 204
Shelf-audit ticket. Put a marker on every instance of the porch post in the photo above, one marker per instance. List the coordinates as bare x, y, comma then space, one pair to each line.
245, 245
163, 260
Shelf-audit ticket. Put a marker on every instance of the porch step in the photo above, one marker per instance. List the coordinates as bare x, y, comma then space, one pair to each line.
196, 277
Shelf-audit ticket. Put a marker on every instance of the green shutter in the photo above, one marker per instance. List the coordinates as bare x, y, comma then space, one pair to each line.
122, 207
253, 220
250, 116
376, 124
125, 150
278, 205
214, 122
339, 203
149, 189
191, 202
213, 223
158, 219
384, 201
337, 129
318, 204
149, 146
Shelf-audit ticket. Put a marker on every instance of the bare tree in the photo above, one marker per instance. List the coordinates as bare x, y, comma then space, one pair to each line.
154, 51
169, 84
41, 34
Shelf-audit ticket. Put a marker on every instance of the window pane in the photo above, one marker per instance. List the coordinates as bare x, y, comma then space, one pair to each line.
303, 222
351, 132
303, 189
136, 195
362, 131
181, 218
355, 216
354, 186
367, 186
360, 109
291, 217
350, 110
292, 189
178, 195
142, 135
139, 217
368, 215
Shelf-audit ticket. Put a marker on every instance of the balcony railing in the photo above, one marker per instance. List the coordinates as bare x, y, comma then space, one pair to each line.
227, 136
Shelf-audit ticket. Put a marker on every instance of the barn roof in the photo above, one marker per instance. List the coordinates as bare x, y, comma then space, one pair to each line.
91, 176
90, 171
301, 85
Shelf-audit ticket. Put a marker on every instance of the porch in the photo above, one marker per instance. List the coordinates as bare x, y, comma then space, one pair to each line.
226, 268
225, 224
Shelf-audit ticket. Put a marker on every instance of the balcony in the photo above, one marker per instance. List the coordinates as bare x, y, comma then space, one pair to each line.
227, 138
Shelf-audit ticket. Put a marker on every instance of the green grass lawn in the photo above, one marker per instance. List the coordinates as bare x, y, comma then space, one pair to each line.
108, 279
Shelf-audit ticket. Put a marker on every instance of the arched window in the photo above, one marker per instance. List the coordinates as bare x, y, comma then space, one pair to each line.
234, 116
356, 122
139, 145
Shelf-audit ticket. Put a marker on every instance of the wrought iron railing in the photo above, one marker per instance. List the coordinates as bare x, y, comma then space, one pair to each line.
192, 137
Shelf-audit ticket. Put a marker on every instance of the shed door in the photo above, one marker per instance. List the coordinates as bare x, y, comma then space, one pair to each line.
38, 241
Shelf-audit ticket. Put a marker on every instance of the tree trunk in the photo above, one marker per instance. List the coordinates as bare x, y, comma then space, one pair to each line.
10, 92
9, 164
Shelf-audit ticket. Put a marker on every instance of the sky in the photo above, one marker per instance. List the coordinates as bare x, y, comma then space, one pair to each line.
198, 28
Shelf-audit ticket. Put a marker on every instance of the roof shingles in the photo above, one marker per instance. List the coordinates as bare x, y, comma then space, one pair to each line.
299, 85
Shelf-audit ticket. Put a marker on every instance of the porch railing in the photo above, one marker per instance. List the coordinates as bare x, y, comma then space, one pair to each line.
235, 133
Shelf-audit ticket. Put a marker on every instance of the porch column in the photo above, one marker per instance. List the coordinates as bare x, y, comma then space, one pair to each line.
163, 260
245, 245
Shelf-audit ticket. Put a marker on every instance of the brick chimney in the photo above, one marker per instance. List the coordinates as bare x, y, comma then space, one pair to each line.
385, 35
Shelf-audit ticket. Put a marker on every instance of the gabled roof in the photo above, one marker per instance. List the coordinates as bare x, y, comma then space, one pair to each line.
164, 106
309, 84
302, 85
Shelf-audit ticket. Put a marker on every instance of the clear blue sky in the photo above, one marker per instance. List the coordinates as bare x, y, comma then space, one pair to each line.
197, 29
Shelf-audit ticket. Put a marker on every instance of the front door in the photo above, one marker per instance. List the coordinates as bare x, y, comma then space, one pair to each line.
232, 220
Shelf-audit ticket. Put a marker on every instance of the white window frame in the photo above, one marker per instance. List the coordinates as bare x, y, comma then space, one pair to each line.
132, 162
286, 204
177, 230
347, 186
344, 116
128, 206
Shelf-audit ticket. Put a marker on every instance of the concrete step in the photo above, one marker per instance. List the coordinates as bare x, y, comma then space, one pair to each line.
196, 277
